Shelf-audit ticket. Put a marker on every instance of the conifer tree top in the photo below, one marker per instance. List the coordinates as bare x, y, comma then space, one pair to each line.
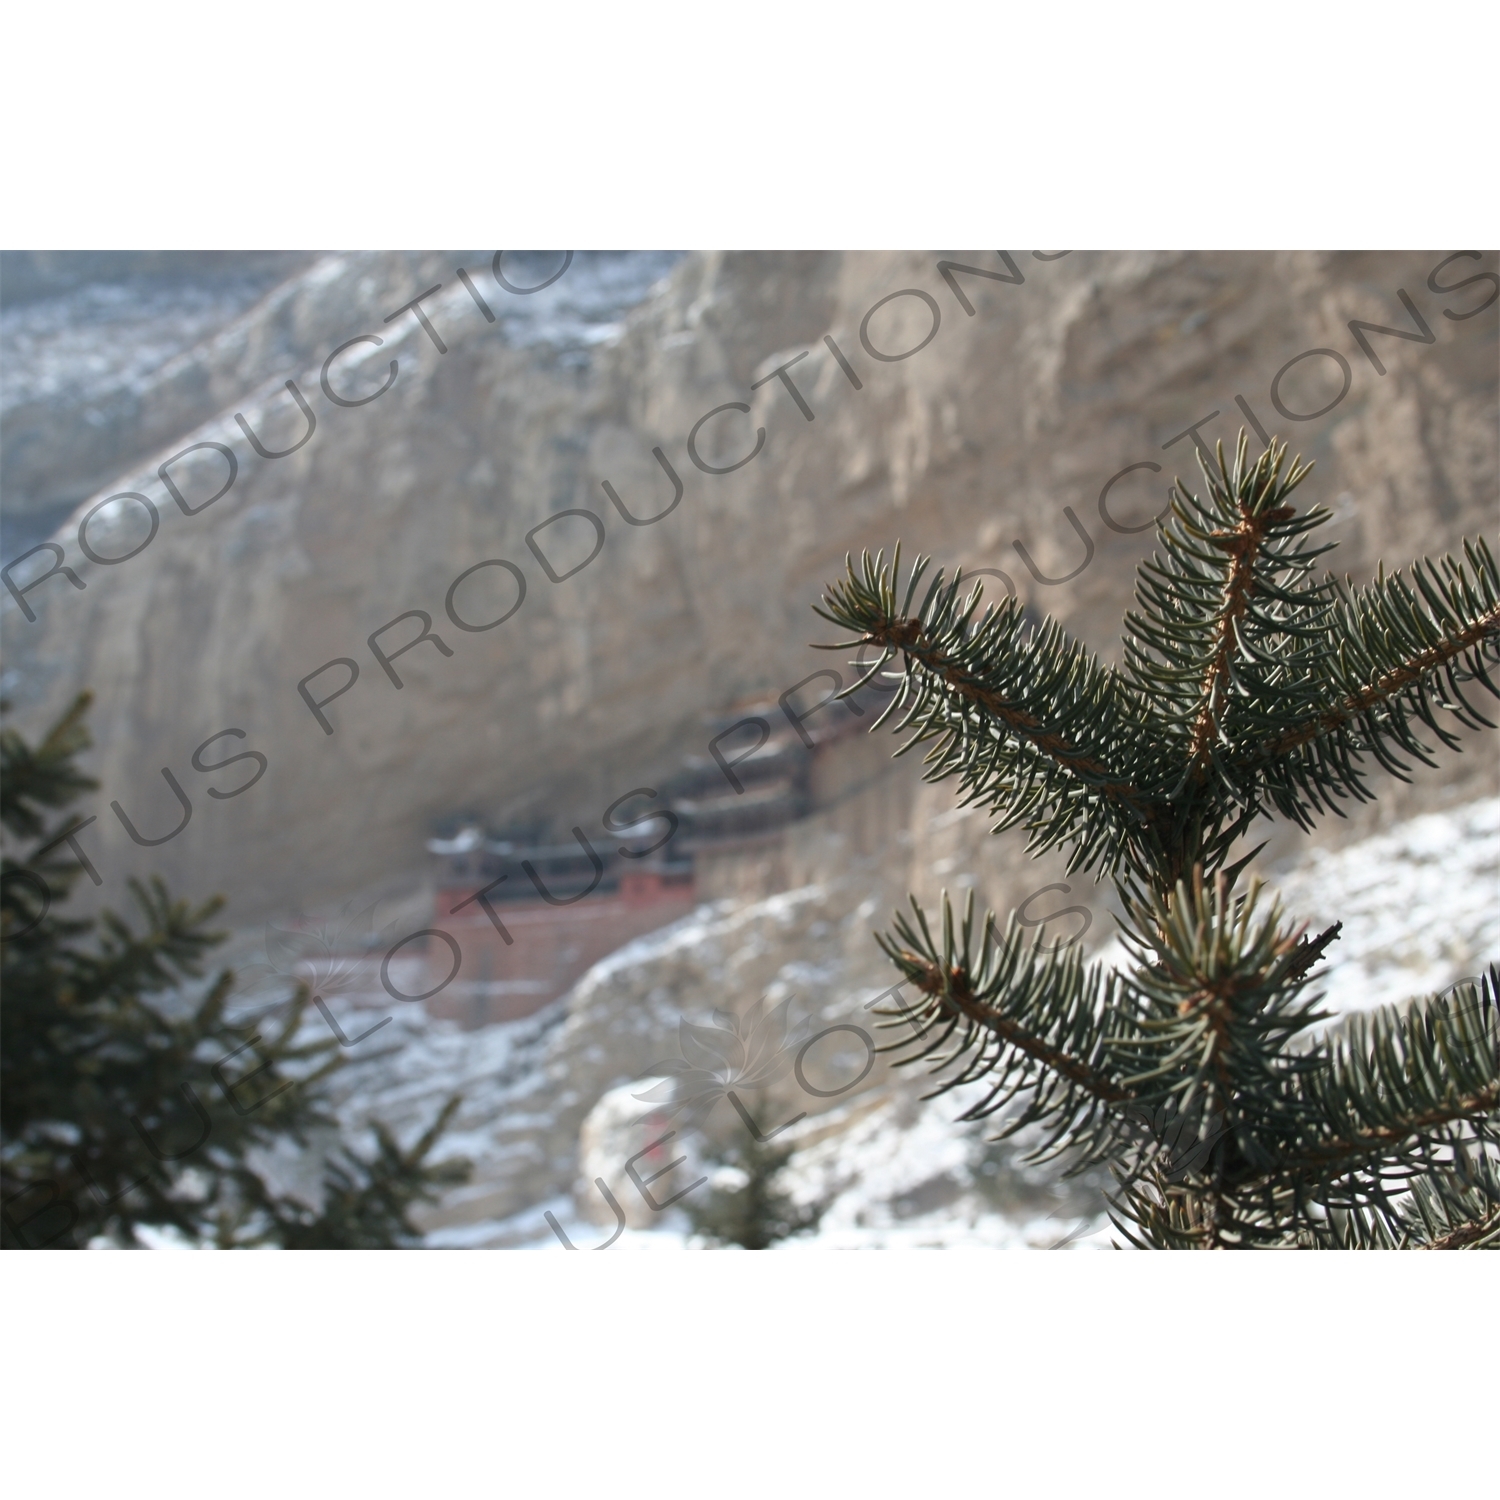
1249, 687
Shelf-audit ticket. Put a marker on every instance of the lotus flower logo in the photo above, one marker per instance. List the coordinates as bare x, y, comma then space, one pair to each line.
736, 1052
330, 959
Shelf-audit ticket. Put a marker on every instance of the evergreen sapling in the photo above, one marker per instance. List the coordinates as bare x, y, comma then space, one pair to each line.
129, 1103
745, 1204
1250, 687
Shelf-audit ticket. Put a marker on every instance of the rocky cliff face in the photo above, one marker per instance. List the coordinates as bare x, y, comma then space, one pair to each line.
105, 357
978, 417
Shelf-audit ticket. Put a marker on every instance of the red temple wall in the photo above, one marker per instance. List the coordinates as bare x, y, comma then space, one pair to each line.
552, 947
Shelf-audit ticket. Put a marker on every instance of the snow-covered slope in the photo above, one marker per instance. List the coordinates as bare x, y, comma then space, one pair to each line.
1421, 910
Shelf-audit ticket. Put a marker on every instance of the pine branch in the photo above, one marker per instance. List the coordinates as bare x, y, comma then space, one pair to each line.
368, 1201
939, 640
1397, 1098
1479, 1233
1402, 648
1028, 724
1257, 498
1449, 629
1397, 1077
1458, 1208
1455, 1206
33, 777
1036, 1020
1228, 625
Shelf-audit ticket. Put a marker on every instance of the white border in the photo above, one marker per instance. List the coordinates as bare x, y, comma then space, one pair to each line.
832, 1375
785, 123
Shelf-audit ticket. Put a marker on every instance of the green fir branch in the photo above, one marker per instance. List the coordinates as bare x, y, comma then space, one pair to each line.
1249, 687
1026, 723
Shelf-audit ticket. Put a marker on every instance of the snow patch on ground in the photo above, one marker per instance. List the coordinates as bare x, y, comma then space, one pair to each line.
1420, 906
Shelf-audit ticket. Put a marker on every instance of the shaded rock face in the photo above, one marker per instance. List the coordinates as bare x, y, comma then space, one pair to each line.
1001, 427
104, 357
